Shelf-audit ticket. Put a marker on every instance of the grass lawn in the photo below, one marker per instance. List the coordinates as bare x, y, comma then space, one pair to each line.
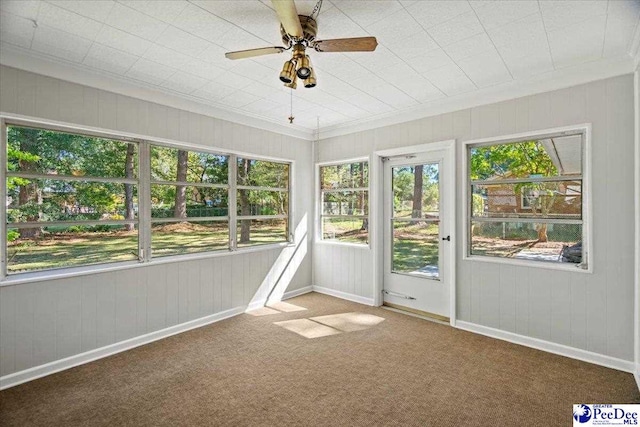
415, 246
63, 249
347, 230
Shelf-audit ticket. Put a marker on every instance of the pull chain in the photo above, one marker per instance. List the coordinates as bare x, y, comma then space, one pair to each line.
291, 110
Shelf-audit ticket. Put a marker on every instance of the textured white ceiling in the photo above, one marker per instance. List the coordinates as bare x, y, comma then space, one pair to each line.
428, 50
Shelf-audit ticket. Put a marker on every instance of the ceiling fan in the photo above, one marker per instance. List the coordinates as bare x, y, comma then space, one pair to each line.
298, 34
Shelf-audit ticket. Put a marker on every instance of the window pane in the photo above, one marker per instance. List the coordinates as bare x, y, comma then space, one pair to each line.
260, 173
50, 200
171, 164
562, 199
416, 248
353, 230
179, 238
557, 156
537, 242
416, 191
254, 202
179, 201
42, 151
44, 248
252, 232
345, 203
349, 175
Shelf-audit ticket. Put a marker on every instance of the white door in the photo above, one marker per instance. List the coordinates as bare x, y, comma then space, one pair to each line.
417, 232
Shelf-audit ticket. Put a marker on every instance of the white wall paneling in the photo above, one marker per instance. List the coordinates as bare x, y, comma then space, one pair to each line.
592, 312
43, 322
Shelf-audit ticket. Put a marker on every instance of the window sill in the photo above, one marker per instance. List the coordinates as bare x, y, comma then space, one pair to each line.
572, 268
346, 244
63, 273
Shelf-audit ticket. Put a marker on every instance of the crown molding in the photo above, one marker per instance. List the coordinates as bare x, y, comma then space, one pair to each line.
558, 79
40, 64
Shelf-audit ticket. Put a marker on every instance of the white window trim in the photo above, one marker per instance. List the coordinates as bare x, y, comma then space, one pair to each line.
587, 224
318, 197
144, 209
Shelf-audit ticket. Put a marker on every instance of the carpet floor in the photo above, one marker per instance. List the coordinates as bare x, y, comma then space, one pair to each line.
248, 371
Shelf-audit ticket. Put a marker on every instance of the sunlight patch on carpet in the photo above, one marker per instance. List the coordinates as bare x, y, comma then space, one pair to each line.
285, 307
349, 322
307, 328
262, 311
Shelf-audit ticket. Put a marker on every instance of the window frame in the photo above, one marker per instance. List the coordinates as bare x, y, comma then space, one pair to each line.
233, 236
319, 200
143, 220
151, 181
586, 266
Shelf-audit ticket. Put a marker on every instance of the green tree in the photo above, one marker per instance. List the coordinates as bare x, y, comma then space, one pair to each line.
44, 152
180, 205
416, 211
244, 171
519, 160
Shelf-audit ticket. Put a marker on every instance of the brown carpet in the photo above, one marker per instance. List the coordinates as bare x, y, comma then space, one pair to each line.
248, 371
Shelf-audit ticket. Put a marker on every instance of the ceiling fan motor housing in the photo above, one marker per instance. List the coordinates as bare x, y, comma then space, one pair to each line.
309, 31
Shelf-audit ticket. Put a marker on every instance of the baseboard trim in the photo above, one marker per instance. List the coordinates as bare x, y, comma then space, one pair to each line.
637, 375
297, 292
343, 295
36, 372
254, 305
550, 347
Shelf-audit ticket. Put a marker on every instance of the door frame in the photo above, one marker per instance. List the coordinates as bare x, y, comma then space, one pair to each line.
376, 207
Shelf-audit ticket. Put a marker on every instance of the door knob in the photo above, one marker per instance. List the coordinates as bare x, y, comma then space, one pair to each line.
448, 238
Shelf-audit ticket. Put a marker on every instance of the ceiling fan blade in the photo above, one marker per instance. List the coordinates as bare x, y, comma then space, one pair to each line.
241, 54
288, 15
355, 44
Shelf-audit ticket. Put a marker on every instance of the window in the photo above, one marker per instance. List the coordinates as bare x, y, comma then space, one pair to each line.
526, 199
189, 201
262, 202
70, 200
344, 195
75, 200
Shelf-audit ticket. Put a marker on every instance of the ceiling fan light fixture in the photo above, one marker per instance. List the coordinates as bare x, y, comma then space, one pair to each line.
311, 81
293, 84
298, 34
288, 73
304, 70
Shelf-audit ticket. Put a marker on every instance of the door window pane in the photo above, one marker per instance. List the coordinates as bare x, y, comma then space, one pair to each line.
416, 191
416, 246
